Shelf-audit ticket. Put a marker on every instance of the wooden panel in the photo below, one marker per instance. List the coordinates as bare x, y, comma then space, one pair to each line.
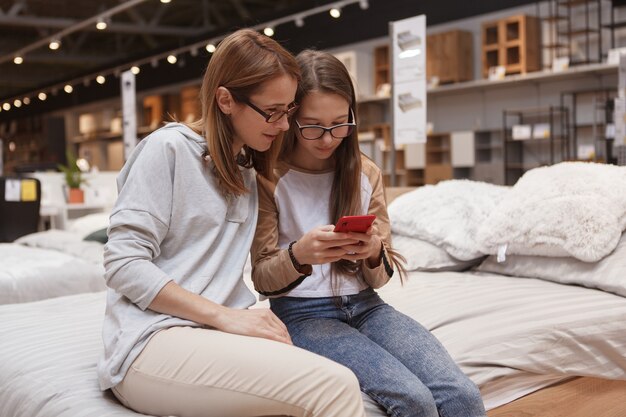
449, 56
190, 107
435, 173
580, 397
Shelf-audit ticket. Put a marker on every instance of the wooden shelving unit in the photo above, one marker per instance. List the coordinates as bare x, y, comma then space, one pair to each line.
381, 66
438, 158
35, 142
512, 42
450, 56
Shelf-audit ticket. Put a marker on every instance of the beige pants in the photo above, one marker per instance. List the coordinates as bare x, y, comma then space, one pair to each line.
187, 372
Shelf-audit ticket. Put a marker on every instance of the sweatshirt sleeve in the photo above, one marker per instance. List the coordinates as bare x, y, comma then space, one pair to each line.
379, 276
140, 221
273, 272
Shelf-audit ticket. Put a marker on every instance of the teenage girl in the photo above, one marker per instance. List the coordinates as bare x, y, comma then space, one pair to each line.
322, 282
178, 337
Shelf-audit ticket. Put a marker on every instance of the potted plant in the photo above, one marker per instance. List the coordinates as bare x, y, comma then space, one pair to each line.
73, 179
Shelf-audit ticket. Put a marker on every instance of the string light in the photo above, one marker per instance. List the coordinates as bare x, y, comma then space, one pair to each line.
101, 24
17, 103
269, 30
55, 44
26, 100
6, 107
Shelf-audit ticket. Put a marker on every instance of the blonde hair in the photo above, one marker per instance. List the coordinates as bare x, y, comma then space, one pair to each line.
242, 62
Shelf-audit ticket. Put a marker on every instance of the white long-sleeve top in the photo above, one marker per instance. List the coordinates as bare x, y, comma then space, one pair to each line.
295, 202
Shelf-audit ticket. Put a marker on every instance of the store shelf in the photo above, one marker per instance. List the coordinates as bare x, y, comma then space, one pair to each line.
522, 79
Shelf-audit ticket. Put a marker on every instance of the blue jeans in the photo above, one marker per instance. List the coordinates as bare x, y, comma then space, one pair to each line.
399, 363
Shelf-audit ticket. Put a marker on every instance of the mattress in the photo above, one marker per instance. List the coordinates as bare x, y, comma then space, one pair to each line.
510, 335
30, 274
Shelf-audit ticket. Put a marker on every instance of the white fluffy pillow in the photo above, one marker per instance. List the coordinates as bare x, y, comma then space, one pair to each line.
423, 256
569, 209
609, 274
447, 215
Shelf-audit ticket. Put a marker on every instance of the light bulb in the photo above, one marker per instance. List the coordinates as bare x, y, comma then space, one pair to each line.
172, 59
42, 96
268, 31
101, 24
335, 12
18, 60
68, 88
210, 48
100, 79
17, 103
135, 69
54, 44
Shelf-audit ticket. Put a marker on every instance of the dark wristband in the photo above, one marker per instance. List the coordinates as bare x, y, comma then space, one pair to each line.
294, 261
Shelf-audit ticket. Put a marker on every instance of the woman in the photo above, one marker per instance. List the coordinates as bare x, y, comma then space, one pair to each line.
178, 337
323, 281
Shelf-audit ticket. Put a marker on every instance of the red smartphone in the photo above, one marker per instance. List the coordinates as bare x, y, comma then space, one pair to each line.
355, 223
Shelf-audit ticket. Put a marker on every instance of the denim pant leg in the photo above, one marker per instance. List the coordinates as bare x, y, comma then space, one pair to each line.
318, 325
415, 347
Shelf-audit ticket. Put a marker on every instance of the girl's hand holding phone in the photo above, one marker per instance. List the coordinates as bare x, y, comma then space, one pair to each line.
322, 245
368, 247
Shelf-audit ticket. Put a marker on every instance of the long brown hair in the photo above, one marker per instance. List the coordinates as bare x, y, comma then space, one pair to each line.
323, 72
242, 62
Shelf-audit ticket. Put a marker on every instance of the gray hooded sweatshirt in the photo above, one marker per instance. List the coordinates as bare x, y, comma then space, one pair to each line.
170, 222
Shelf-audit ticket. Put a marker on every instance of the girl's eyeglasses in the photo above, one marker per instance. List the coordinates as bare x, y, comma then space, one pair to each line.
340, 131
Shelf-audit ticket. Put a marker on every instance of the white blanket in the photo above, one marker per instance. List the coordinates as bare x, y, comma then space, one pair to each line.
570, 209
447, 215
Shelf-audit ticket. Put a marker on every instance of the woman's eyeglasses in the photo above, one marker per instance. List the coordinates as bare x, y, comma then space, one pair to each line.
340, 131
272, 117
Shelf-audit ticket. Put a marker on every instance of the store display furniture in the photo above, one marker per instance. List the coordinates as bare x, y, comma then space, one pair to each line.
615, 24
548, 147
382, 67
489, 165
591, 122
512, 42
449, 56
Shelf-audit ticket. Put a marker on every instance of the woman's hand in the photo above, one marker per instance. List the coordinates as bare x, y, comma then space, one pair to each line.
177, 301
321, 245
368, 247
255, 322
